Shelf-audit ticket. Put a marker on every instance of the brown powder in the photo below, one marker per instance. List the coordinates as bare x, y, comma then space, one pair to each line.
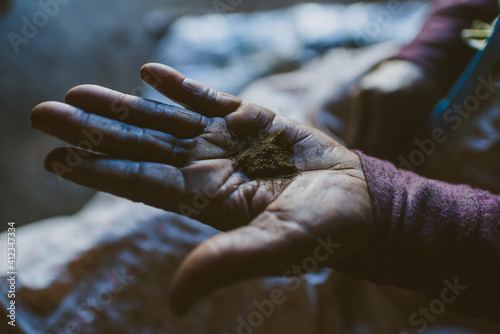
265, 157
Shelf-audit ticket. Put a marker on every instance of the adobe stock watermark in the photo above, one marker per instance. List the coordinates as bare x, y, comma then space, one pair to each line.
75, 155
454, 118
380, 18
226, 6
31, 26
95, 137
264, 309
12, 272
87, 309
118, 107
436, 307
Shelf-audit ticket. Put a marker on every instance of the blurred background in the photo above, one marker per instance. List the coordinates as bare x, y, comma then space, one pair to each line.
49, 46
290, 56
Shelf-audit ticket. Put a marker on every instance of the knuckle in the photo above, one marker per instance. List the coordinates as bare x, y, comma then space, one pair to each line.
212, 95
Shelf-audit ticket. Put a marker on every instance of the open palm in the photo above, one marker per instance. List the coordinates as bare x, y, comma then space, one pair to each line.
196, 161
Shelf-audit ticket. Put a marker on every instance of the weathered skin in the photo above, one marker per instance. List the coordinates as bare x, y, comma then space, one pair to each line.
177, 160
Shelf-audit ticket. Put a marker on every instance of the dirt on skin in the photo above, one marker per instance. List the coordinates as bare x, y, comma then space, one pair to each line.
265, 156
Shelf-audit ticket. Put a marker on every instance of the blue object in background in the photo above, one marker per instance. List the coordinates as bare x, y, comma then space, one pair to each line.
474, 75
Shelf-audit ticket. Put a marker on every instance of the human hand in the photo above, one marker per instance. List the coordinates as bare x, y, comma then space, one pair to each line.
274, 185
386, 108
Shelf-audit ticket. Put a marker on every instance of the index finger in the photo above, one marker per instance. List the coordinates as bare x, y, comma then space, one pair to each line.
137, 111
191, 94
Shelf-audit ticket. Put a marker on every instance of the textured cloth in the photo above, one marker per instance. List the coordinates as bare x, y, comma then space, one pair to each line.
430, 235
439, 47
108, 268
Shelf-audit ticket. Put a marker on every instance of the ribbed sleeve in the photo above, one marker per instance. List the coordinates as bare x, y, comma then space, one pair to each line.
430, 234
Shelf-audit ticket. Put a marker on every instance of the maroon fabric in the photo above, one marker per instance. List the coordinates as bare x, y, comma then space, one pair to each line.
428, 231
439, 47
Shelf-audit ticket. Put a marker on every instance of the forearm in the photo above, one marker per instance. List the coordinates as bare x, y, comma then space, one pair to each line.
438, 48
430, 234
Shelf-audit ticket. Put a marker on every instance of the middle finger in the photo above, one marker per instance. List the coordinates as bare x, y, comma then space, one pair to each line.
100, 134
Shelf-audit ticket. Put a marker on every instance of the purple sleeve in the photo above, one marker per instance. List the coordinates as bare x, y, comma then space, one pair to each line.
438, 47
432, 237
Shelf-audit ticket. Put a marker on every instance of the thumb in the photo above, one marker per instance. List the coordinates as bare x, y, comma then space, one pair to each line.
267, 246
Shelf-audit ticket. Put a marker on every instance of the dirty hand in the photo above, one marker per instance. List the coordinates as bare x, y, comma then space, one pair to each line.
196, 162
387, 107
